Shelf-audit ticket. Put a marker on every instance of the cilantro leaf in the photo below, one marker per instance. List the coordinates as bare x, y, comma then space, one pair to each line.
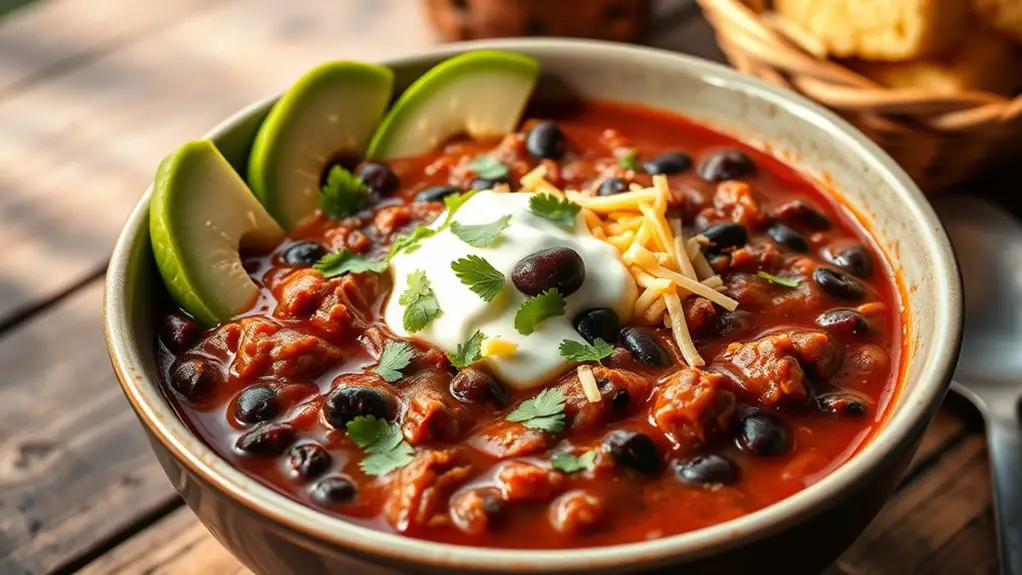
578, 351
538, 308
480, 277
544, 411
395, 357
343, 194
410, 242
786, 282
488, 167
568, 463
558, 210
383, 443
420, 302
347, 262
453, 203
481, 235
630, 160
468, 352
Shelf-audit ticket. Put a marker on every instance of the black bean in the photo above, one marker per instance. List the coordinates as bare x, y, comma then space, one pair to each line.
488, 183
266, 439
436, 193
472, 385
843, 404
334, 489
379, 178
735, 322
645, 346
726, 165
308, 460
255, 404
763, 433
560, 268
710, 469
786, 236
843, 321
612, 186
632, 449
619, 397
304, 254
179, 333
668, 164
347, 403
801, 214
725, 235
194, 378
596, 323
855, 260
546, 140
838, 284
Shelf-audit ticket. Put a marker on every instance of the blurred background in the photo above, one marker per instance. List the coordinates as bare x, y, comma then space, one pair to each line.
93, 93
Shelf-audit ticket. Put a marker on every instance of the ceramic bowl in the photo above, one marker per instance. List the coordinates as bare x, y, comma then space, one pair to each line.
275, 535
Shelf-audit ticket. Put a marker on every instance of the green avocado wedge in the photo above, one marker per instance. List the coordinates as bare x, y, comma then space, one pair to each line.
329, 112
481, 93
200, 216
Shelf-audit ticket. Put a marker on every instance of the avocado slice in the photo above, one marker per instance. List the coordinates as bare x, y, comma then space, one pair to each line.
481, 93
200, 216
329, 112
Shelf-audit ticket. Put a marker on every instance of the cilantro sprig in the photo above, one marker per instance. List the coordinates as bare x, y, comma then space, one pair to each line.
560, 211
630, 160
569, 463
786, 282
409, 243
343, 193
480, 277
469, 352
544, 411
347, 262
384, 445
578, 351
480, 235
488, 167
395, 358
421, 306
534, 310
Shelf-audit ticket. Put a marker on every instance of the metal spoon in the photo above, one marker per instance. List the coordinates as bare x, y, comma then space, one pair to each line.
988, 242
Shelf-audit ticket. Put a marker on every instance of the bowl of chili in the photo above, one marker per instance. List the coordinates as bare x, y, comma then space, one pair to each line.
766, 316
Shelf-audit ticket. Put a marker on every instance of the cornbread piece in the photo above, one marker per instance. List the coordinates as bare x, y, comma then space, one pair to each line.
889, 30
1002, 15
986, 61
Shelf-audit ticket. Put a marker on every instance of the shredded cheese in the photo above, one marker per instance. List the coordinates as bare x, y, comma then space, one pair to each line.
496, 346
589, 385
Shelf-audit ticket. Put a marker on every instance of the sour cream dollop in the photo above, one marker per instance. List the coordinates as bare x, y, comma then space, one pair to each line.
536, 361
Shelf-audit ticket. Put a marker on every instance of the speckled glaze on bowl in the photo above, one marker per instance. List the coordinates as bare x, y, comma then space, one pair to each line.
272, 534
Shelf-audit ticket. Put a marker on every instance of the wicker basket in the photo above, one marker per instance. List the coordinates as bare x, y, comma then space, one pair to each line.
940, 140
621, 20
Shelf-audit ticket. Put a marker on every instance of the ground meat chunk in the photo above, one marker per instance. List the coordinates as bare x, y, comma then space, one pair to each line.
584, 414
519, 481
692, 406
392, 218
475, 511
700, 315
576, 512
737, 202
419, 494
432, 413
763, 256
337, 307
504, 439
267, 349
772, 369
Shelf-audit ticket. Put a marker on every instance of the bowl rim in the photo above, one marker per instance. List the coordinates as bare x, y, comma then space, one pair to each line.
901, 426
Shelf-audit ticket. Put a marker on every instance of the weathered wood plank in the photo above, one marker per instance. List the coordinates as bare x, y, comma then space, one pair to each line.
76, 151
75, 467
180, 544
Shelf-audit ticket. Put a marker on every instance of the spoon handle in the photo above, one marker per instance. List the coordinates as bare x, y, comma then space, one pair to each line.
1004, 437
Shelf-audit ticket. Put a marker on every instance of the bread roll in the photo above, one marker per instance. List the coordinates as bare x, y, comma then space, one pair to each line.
1002, 15
984, 61
888, 30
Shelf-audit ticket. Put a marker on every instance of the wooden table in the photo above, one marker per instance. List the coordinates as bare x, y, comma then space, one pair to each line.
92, 95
